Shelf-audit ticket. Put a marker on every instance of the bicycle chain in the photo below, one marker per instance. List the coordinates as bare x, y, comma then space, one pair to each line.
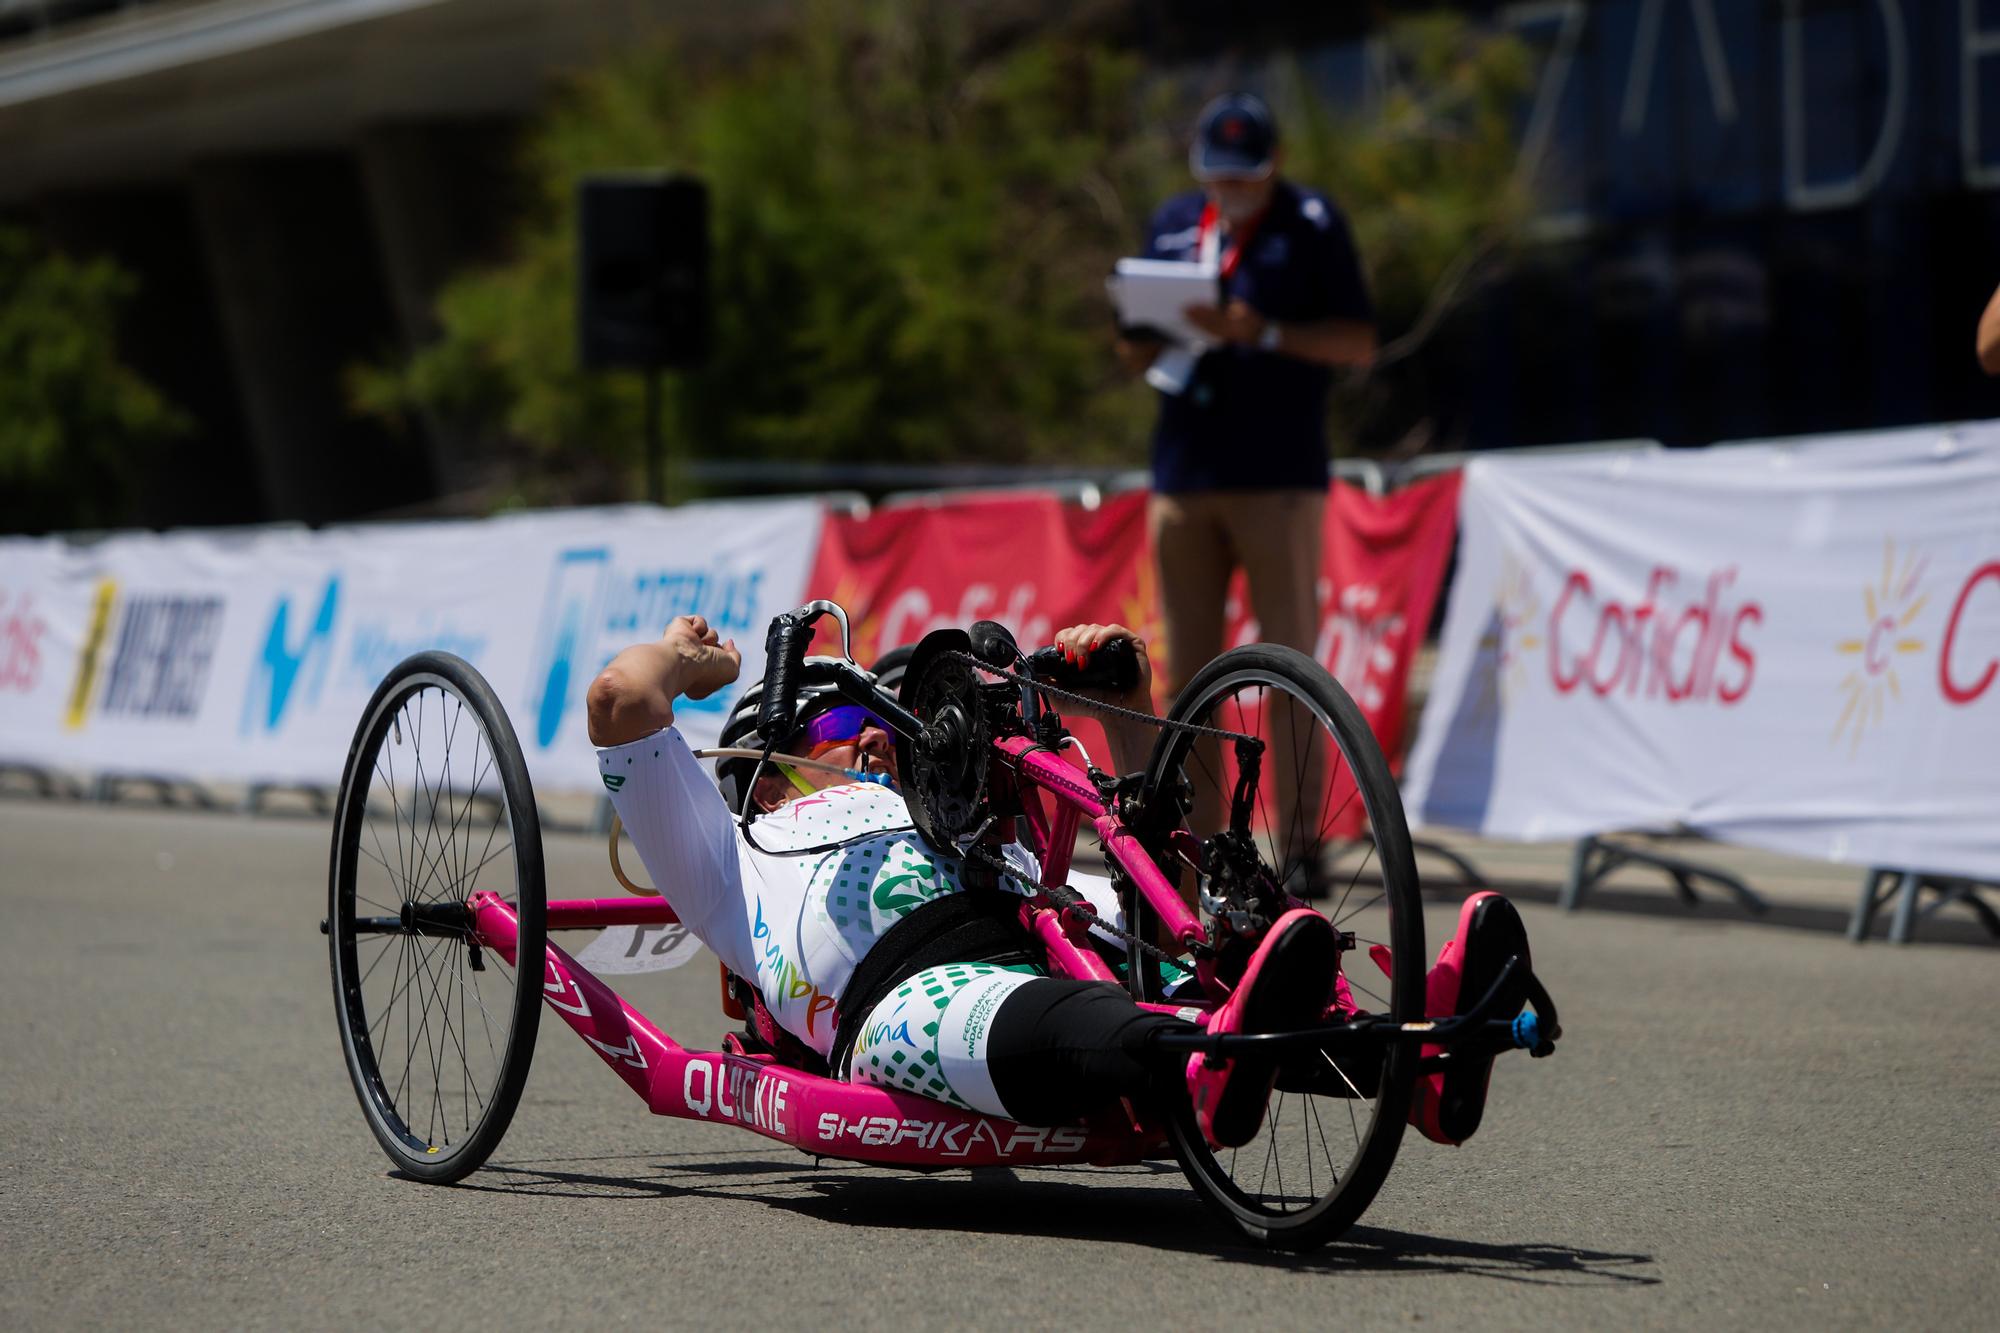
1058, 893
1105, 709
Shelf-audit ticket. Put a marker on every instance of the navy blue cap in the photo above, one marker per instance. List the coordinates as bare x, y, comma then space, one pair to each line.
1236, 136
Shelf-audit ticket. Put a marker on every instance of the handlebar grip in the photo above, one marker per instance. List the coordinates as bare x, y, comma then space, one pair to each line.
1112, 666
993, 644
784, 660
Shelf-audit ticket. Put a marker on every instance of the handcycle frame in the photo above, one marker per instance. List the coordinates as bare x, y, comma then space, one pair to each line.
829, 1117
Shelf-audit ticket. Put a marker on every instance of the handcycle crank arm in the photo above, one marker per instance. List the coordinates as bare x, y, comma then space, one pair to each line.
1535, 1030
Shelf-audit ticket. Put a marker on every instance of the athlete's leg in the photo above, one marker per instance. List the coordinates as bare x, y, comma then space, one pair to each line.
1034, 1049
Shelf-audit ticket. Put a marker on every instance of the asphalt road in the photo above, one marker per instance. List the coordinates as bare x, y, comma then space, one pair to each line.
1747, 1124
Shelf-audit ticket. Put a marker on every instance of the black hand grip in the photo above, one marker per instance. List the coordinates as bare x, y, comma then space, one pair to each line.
1113, 665
784, 660
993, 644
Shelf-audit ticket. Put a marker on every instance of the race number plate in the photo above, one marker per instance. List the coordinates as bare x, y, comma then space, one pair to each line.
639, 949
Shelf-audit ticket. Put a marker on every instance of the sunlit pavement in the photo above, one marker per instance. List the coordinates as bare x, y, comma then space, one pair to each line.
1750, 1121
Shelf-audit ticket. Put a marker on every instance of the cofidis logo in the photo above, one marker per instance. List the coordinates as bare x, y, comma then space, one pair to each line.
594, 607
1687, 639
1968, 652
1890, 605
1969, 657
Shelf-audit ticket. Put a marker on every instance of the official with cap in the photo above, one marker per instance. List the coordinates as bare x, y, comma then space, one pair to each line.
1239, 458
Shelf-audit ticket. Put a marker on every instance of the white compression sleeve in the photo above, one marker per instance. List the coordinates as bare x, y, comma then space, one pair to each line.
679, 823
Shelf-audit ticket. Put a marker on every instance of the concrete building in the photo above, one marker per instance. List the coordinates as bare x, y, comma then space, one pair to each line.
291, 180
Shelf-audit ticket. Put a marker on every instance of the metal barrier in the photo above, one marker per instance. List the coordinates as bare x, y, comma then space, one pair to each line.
1907, 887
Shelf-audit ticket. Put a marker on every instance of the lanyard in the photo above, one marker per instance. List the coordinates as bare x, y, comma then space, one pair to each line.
1209, 240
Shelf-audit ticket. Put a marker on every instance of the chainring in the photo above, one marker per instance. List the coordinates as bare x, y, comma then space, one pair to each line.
946, 781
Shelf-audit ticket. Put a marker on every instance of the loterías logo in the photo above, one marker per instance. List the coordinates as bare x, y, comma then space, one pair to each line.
1890, 606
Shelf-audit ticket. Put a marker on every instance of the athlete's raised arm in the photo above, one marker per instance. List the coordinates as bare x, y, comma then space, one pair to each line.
634, 695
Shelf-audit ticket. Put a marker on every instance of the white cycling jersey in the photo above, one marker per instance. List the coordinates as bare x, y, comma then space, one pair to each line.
795, 925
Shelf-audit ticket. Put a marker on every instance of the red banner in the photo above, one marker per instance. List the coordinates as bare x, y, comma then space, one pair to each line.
1036, 564
1031, 562
1383, 560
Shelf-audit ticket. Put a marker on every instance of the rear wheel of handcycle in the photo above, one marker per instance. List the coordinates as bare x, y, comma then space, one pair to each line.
1334, 1123
434, 805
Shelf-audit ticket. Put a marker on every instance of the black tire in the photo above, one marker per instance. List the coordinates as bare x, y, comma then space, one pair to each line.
1253, 689
414, 834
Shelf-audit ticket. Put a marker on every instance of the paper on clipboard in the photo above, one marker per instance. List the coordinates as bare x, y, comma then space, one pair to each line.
1151, 293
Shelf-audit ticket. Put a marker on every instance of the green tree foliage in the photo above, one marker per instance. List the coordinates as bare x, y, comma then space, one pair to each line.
74, 420
911, 231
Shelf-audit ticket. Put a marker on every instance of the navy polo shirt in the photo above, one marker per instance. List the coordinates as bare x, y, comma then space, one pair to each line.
1250, 419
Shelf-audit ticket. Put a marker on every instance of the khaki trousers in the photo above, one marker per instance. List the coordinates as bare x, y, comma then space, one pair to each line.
1199, 540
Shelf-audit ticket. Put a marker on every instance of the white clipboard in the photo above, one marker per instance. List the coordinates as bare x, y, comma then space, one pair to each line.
1153, 292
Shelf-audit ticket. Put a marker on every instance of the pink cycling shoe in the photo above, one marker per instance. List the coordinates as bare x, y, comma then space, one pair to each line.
1289, 983
1448, 1106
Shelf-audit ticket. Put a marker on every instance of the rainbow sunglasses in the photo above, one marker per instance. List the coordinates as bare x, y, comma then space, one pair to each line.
839, 725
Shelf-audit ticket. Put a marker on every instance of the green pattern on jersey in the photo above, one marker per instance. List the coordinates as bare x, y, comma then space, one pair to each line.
901, 1051
868, 886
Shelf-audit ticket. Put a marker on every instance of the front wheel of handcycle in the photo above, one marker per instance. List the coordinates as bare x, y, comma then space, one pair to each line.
435, 806
1334, 1121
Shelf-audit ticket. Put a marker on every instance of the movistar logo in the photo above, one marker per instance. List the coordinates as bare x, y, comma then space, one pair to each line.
281, 669
614, 780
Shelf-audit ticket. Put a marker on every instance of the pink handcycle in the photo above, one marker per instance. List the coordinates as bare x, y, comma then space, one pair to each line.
1265, 771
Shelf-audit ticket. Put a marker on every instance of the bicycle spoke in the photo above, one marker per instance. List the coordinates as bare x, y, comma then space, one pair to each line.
505, 846
395, 994
1319, 1127
430, 1049
1344, 893
479, 1002
433, 840
1362, 908
444, 1018
448, 861
1305, 1113
384, 940
380, 907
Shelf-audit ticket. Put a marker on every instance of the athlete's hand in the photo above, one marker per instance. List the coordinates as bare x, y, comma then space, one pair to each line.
1131, 742
1237, 322
1078, 642
699, 661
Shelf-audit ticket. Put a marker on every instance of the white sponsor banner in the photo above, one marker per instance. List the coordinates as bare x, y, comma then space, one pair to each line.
1788, 645
249, 656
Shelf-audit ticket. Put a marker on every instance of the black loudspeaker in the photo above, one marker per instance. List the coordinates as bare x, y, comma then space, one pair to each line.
642, 295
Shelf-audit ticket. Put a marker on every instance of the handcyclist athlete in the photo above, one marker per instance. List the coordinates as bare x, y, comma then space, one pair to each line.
860, 943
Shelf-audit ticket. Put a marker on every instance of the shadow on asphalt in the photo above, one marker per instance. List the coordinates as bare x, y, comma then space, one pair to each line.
1042, 1203
1954, 925
1638, 901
